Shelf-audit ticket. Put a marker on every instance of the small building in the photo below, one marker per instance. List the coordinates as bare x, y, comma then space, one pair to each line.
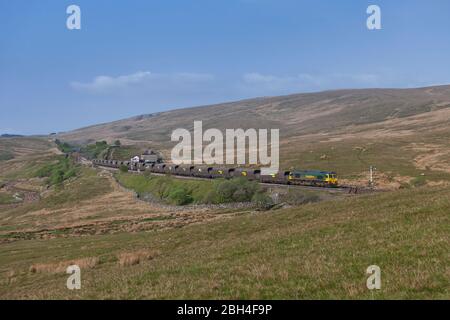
135, 159
149, 156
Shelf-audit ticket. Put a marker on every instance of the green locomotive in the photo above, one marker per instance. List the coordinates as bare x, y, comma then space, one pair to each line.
313, 178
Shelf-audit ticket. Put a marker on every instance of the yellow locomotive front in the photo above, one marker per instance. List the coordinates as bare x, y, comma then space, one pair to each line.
331, 179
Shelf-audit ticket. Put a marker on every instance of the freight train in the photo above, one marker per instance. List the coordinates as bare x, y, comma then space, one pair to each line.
295, 177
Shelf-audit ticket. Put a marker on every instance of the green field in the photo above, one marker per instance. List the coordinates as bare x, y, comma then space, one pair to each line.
160, 187
124, 153
186, 191
314, 251
103, 150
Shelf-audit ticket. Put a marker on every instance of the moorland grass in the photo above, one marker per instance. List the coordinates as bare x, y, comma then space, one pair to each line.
316, 251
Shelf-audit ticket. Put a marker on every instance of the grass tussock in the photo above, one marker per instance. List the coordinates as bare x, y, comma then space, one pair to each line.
127, 259
59, 267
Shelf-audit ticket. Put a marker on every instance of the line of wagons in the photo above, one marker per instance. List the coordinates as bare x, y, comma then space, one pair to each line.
296, 177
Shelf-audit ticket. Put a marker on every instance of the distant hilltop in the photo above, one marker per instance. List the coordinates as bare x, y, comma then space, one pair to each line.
299, 115
7, 135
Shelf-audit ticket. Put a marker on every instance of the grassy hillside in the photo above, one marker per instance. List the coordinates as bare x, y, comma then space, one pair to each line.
402, 132
310, 113
128, 248
90, 202
55, 208
24, 156
315, 251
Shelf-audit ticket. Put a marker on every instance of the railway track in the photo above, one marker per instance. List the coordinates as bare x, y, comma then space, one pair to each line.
340, 189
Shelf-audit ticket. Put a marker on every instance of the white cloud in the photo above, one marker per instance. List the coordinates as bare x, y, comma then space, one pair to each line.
272, 84
145, 79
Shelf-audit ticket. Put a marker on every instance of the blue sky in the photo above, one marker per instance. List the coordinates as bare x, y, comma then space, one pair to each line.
134, 57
